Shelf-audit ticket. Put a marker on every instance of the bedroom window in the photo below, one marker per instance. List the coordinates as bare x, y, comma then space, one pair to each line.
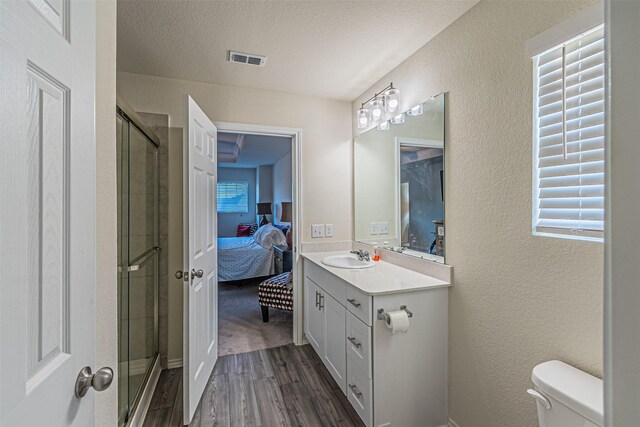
568, 139
233, 197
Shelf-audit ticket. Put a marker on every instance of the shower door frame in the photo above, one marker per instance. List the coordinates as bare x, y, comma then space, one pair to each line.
137, 406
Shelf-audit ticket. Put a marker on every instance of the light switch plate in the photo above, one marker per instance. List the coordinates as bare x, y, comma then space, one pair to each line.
383, 228
317, 230
373, 228
328, 230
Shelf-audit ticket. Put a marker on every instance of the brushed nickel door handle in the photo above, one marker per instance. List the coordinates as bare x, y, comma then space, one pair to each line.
99, 381
182, 275
197, 274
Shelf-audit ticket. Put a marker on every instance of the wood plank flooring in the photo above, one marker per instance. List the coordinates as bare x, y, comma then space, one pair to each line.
281, 386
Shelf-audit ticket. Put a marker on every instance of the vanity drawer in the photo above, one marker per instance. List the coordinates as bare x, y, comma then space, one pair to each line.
358, 345
327, 281
359, 394
359, 304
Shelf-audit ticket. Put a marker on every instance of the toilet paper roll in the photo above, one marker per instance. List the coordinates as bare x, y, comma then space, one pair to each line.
398, 321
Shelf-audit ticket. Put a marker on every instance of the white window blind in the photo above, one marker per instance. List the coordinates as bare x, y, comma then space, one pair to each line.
233, 197
569, 137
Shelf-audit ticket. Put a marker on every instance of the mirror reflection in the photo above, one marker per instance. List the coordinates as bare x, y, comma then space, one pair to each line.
399, 182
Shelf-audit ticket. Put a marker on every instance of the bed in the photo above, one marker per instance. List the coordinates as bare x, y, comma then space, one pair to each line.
242, 258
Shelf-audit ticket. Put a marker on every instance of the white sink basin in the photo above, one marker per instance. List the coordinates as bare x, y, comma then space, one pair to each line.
346, 261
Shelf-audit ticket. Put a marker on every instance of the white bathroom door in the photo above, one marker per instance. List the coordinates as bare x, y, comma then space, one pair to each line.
47, 211
201, 256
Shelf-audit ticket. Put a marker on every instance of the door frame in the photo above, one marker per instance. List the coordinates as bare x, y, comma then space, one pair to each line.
296, 178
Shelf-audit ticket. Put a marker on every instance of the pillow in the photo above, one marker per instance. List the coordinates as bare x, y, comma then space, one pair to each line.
243, 231
269, 236
252, 228
283, 228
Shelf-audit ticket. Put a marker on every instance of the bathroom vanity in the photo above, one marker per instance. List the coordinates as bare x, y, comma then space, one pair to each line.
390, 378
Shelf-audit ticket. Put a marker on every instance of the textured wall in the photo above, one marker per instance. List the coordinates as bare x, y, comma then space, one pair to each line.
281, 185
517, 300
326, 135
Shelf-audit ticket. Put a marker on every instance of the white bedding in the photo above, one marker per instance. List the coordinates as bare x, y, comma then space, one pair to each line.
242, 258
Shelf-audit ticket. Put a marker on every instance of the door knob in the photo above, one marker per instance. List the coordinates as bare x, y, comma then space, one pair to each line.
182, 275
100, 381
197, 274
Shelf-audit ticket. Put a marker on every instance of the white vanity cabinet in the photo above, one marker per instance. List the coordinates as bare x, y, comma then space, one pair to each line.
390, 379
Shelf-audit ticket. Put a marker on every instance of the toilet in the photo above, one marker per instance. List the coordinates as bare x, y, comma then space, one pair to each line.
566, 396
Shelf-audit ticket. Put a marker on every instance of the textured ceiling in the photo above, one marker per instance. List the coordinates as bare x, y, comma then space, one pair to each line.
326, 48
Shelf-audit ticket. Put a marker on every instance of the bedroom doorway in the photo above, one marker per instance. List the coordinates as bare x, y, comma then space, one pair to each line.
258, 205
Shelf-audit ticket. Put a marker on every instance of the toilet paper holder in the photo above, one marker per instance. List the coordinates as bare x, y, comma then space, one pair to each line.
384, 316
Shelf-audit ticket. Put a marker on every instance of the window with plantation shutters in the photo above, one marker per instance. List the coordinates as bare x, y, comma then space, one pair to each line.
568, 169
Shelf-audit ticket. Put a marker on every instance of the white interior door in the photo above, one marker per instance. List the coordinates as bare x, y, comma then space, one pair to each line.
47, 210
201, 256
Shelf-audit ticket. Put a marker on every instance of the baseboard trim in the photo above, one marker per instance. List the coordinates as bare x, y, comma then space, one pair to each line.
140, 413
453, 423
174, 363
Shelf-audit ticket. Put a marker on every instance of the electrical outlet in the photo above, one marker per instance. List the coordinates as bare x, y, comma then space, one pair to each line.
373, 228
328, 230
383, 228
317, 230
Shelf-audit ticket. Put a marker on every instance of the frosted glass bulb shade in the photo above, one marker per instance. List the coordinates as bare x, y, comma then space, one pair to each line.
363, 118
398, 120
384, 126
416, 111
392, 98
377, 107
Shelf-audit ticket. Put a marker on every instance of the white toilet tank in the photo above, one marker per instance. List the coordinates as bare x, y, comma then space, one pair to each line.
566, 396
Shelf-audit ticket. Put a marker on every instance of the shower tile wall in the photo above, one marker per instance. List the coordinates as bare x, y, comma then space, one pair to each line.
159, 124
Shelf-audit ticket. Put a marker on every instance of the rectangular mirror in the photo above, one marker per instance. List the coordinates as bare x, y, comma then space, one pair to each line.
399, 183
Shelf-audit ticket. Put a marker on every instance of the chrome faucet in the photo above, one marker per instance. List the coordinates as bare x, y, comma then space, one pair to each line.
362, 255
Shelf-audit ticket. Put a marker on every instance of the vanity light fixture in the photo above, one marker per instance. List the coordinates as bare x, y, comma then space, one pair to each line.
384, 125
363, 118
416, 111
398, 120
377, 109
392, 100
385, 101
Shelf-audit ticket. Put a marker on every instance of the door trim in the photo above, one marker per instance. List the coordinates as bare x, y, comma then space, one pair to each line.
296, 177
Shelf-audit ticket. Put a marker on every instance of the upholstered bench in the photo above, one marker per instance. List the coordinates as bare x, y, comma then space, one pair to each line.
276, 292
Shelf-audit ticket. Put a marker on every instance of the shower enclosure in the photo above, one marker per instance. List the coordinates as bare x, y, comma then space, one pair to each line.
137, 164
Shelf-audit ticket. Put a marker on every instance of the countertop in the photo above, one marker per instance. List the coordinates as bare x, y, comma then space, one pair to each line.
383, 278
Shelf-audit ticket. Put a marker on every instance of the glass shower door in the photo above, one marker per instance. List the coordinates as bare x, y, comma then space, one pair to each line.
138, 249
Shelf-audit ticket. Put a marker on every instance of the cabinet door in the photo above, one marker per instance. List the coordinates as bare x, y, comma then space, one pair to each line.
334, 353
312, 315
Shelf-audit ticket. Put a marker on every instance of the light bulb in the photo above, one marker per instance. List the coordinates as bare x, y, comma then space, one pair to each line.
416, 111
384, 125
363, 118
376, 109
398, 120
392, 98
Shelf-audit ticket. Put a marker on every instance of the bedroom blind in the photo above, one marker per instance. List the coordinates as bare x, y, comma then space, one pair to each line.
569, 138
233, 197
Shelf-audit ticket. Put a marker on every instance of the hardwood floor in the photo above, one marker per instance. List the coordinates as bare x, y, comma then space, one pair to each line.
281, 386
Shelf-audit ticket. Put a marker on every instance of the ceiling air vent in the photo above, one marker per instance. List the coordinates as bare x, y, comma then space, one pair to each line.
246, 58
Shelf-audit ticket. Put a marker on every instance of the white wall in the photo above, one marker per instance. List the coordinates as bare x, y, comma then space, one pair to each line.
228, 222
326, 156
282, 185
326, 135
517, 300
106, 223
